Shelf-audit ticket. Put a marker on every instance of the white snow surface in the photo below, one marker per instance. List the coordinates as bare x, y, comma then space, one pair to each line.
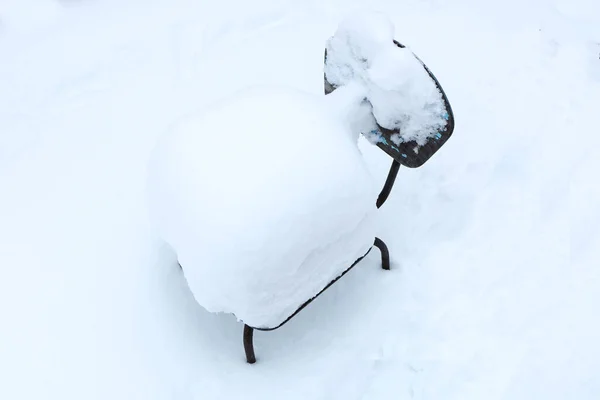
494, 288
259, 228
403, 96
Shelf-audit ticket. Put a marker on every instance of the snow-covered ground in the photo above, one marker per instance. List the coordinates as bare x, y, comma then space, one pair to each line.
495, 241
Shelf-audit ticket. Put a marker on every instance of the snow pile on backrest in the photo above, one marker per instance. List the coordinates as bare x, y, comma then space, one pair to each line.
403, 95
265, 199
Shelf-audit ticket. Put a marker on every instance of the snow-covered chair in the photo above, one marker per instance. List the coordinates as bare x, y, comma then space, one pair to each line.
220, 284
402, 154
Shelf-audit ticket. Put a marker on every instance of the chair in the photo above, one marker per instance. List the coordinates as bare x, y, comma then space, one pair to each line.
401, 155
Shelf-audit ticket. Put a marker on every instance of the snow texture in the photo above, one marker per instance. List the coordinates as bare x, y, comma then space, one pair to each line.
403, 96
259, 229
495, 242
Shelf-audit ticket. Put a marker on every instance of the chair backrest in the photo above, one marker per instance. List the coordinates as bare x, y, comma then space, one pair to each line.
404, 152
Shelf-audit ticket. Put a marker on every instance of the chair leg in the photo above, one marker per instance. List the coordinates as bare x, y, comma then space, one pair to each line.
385, 254
249, 345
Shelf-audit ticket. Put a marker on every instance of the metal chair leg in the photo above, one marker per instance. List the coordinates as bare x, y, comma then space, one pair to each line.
249, 345
389, 183
385, 254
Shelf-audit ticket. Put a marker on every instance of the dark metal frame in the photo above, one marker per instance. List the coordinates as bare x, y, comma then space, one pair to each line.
385, 264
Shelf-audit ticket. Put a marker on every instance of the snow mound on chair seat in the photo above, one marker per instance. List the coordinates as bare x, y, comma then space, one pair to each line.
265, 198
